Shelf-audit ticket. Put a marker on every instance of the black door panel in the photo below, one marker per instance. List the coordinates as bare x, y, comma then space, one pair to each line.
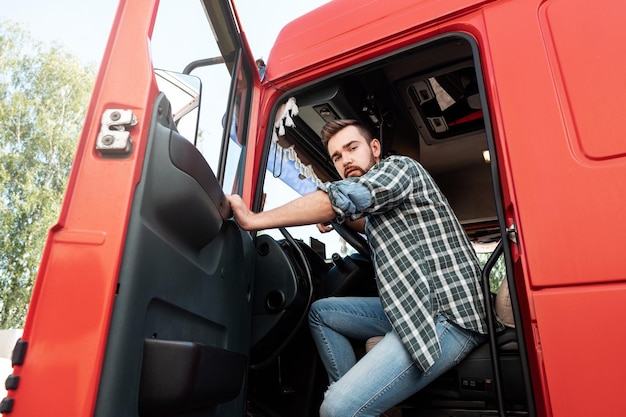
183, 294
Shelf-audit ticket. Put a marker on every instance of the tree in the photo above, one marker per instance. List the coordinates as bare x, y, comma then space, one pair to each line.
44, 92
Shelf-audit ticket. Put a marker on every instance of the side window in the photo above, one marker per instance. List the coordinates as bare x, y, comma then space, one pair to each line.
183, 41
235, 138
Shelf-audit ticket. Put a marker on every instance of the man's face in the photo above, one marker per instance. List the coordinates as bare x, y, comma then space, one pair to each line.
351, 153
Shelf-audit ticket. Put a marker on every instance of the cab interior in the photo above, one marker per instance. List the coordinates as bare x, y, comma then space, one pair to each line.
427, 102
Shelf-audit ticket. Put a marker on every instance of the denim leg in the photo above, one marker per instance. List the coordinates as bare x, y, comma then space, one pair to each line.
388, 375
335, 321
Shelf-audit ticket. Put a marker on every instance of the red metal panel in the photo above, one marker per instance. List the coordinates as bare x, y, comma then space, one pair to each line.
568, 208
344, 27
588, 58
67, 329
565, 206
583, 345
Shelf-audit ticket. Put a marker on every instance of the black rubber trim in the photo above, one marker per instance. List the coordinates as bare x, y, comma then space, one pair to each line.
6, 406
12, 382
19, 352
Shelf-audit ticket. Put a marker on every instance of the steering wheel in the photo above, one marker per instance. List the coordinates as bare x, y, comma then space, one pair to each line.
308, 277
355, 240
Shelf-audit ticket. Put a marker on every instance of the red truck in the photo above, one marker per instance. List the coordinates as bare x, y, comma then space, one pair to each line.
150, 301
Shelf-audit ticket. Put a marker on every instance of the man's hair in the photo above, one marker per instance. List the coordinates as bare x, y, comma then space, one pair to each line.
331, 128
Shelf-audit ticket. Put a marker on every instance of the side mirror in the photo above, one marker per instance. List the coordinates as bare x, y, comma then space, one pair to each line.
183, 92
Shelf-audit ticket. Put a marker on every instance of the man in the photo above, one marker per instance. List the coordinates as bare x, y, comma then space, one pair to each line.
430, 307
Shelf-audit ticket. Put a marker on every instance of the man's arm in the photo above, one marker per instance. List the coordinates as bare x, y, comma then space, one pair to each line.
357, 225
308, 209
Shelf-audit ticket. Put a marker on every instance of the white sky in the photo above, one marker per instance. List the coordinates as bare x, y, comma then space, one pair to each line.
83, 25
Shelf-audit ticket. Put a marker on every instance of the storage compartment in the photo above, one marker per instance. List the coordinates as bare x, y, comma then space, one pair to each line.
177, 376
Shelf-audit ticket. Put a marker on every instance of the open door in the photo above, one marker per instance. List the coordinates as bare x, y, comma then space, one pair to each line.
180, 326
142, 305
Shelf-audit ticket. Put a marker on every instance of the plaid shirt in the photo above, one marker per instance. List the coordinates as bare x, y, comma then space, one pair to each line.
423, 259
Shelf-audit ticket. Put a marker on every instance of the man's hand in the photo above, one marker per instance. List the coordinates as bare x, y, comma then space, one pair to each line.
324, 227
242, 214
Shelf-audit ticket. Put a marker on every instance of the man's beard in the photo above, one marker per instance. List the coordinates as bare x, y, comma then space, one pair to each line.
356, 171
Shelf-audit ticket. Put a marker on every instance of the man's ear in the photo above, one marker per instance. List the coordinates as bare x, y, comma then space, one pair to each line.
376, 148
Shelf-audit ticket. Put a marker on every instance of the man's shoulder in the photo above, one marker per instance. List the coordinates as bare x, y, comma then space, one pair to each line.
399, 160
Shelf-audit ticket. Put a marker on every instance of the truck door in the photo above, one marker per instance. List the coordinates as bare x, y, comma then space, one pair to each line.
142, 302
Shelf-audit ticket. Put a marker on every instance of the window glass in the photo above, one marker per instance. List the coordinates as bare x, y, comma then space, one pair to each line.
182, 35
237, 134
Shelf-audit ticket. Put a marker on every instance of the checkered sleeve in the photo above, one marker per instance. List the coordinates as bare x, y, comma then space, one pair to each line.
383, 187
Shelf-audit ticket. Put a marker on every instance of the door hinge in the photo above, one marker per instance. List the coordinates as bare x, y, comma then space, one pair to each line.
511, 233
114, 138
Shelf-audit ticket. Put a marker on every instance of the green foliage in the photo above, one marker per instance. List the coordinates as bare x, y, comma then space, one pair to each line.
497, 273
44, 92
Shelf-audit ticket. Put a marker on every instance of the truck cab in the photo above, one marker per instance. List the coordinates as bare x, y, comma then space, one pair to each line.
151, 301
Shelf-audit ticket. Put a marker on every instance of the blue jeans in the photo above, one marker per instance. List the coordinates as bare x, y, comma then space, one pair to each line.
387, 374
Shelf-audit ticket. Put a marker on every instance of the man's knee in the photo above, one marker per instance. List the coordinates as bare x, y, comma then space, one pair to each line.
318, 308
325, 411
333, 406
